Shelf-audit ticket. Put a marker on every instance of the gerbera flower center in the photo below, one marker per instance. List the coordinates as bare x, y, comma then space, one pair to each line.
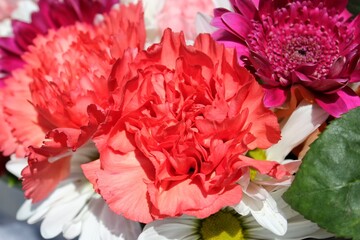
293, 44
223, 225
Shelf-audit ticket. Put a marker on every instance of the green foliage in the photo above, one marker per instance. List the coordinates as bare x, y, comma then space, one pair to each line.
354, 6
326, 189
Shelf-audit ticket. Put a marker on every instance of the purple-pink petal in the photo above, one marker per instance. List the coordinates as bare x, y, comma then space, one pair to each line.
246, 7
9, 45
339, 102
274, 97
236, 24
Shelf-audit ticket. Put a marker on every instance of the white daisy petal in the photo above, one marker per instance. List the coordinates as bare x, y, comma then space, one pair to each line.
60, 214
16, 165
40, 209
171, 228
25, 211
222, 4
90, 228
202, 24
113, 226
72, 230
302, 122
24, 10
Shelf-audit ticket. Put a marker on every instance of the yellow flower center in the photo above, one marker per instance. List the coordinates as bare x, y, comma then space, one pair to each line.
223, 225
257, 154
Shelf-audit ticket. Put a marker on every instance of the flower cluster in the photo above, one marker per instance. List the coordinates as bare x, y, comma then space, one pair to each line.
178, 139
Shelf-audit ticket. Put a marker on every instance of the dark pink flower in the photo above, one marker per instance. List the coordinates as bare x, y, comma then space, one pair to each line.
314, 44
52, 14
183, 118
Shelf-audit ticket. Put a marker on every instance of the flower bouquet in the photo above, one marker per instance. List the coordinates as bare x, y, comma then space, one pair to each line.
193, 119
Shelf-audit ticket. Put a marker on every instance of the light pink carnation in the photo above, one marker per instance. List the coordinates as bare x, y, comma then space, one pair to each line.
180, 15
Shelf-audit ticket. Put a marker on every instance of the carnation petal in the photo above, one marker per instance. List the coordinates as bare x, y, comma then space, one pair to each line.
43, 178
184, 196
130, 196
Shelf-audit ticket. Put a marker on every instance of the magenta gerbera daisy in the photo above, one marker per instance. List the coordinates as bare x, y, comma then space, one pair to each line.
314, 44
52, 14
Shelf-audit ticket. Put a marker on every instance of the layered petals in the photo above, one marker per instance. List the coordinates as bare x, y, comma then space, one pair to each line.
65, 93
313, 44
182, 120
67, 13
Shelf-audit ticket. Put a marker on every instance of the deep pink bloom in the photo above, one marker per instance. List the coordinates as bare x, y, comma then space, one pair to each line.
183, 118
311, 43
52, 14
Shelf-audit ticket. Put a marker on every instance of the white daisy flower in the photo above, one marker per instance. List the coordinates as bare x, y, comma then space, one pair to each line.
74, 209
227, 224
257, 199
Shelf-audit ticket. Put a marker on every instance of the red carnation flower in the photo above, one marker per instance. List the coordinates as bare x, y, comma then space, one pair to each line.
52, 14
183, 118
63, 94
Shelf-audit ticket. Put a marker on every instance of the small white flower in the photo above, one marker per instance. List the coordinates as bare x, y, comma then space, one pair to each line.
257, 199
227, 224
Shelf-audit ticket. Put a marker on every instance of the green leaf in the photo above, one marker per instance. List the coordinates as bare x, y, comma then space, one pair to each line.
326, 189
354, 6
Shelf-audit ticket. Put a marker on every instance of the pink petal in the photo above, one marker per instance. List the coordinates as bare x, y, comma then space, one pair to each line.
236, 24
43, 177
90, 171
340, 102
247, 8
274, 97
124, 189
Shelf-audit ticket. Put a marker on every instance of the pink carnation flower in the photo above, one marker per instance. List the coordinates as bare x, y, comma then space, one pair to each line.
180, 15
51, 15
314, 44
63, 94
184, 116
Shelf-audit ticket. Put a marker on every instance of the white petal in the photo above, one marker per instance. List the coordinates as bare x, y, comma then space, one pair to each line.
242, 208
25, 211
202, 24
90, 227
16, 165
72, 230
222, 4
303, 121
113, 226
170, 229
24, 10
40, 209
60, 214
5, 30
264, 209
